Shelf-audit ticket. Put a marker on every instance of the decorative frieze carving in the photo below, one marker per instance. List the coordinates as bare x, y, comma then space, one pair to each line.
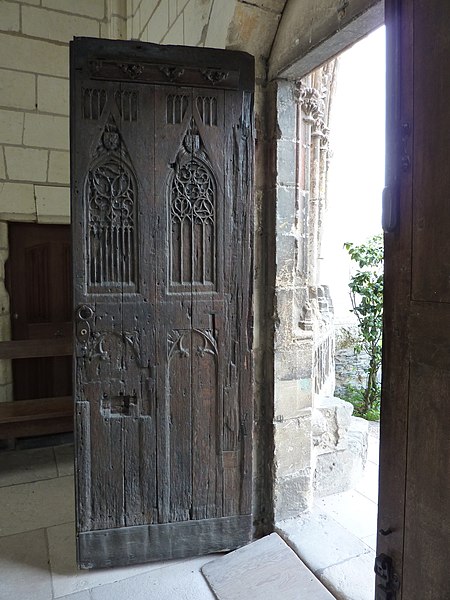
214, 76
133, 70
172, 73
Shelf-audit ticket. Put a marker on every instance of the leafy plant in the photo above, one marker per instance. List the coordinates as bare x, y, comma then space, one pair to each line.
366, 293
355, 395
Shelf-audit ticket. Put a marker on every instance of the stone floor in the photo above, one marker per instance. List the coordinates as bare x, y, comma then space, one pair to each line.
337, 539
37, 543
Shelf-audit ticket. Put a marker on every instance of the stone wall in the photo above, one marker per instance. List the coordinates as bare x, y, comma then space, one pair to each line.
304, 331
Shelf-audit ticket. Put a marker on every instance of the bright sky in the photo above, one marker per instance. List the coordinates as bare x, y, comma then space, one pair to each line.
356, 173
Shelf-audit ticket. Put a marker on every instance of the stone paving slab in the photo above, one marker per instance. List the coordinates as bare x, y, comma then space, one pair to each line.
37, 505
265, 569
24, 572
319, 540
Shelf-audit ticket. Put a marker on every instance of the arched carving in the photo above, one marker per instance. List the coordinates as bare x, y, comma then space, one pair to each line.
111, 216
192, 213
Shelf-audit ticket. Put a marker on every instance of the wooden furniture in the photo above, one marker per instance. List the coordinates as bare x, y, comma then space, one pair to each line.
40, 416
23, 418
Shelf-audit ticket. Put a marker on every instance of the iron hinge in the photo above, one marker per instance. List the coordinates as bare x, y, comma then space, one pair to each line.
390, 581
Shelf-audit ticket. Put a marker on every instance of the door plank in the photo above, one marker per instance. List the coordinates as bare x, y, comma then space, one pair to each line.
146, 543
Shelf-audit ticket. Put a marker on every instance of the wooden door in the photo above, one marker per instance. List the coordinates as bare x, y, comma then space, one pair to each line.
40, 288
162, 149
414, 520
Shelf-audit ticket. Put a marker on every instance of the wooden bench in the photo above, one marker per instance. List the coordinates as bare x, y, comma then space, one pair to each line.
43, 416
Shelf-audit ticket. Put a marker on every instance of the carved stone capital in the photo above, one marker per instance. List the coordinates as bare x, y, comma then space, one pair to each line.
311, 101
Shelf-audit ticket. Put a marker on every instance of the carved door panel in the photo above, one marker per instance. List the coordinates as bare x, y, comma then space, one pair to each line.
414, 521
161, 188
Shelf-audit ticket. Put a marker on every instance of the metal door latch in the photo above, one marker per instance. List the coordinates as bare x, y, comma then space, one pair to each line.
387, 590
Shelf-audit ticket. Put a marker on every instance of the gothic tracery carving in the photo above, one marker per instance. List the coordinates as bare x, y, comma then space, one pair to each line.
192, 206
111, 198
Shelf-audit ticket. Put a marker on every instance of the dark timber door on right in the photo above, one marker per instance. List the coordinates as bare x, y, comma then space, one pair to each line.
161, 189
414, 501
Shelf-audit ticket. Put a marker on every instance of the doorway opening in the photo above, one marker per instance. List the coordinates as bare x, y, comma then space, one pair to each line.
331, 455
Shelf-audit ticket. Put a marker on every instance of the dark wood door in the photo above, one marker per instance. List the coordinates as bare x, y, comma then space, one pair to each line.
40, 288
414, 501
162, 149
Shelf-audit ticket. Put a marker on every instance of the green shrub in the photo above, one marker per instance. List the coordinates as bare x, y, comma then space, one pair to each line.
366, 293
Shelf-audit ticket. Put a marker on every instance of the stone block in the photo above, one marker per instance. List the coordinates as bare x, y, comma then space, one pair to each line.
293, 357
17, 202
52, 204
115, 28
292, 397
358, 444
5, 370
134, 26
286, 112
340, 470
286, 153
89, 8
46, 131
26, 164
352, 579
293, 445
175, 33
17, 90
155, 20
286, 208
181, 4
331, 422
9, 16
53, 95
196, 15
11, 127
286, 248
4, 244
34, 56
2, 164
6, 392
292, 495
319, 540
57, 26
333, 473
173, 11
59, 167
253, 29
273, 5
